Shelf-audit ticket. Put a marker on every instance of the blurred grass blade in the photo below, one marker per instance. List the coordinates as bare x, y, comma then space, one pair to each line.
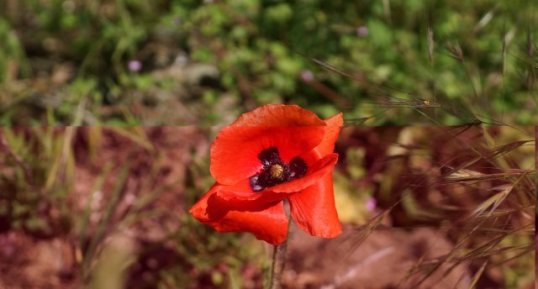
104, 223
494, 201
430, 44
136, 134
483, 21
477, 275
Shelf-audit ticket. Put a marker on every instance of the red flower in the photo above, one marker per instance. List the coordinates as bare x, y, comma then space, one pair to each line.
272, 153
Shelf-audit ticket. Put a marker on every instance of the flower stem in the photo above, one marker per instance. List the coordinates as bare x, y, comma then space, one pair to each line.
277, 266
279, 255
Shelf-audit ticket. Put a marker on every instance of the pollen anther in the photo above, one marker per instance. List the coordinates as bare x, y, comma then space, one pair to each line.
276, 171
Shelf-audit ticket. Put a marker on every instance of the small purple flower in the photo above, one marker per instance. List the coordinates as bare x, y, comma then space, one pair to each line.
307, 75
371, 204
362, 31
176, 21
134, 65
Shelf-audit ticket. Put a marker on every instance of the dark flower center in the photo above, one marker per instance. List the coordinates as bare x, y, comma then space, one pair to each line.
275, 171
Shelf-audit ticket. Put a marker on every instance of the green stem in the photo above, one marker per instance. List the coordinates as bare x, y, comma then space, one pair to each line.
279, 255
277, 266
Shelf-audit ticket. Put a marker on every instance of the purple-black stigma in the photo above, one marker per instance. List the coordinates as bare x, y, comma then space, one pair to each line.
275, 171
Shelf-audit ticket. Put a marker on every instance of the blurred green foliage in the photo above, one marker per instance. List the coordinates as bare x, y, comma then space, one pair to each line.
39, 173
406, 62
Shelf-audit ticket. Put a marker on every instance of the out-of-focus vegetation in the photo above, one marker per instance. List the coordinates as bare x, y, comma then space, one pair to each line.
106, 207
200, 62
473, 184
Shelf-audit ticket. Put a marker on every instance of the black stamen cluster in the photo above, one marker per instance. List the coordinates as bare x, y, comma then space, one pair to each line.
270, 157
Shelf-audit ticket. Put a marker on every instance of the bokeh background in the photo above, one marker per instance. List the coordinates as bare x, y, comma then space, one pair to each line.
422, 207
203, 62
146, 85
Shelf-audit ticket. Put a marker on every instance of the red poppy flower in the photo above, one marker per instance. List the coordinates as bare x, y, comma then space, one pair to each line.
272, 153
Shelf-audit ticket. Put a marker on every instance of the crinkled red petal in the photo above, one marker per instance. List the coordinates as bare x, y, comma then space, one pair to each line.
199, 209
314, 209
333, 126
279, 115
269, 223
239, 197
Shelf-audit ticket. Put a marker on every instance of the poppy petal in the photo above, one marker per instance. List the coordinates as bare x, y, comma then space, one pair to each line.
220, 199
334, 125
314, 209
199, 209
234, 153
279, 115
314, 173
240, 197
270, 225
